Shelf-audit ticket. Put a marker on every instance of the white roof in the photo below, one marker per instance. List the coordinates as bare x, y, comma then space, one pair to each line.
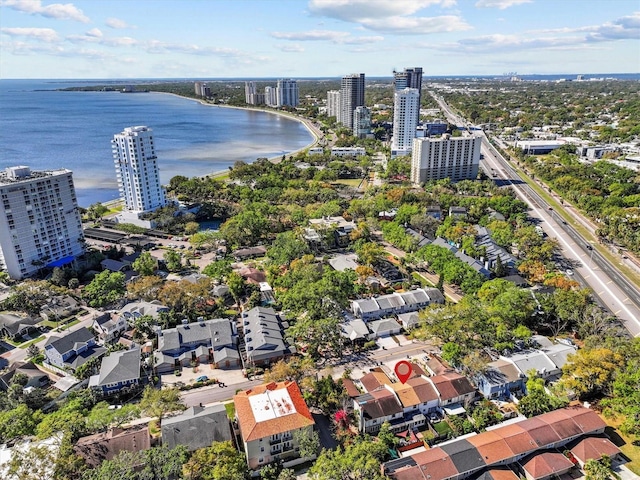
271, 404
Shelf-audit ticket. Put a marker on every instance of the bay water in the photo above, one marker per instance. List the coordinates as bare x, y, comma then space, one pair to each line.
44, 128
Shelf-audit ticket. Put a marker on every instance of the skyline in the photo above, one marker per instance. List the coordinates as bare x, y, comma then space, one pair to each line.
92, 39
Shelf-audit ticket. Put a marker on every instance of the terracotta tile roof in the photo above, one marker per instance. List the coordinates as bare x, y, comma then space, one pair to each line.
593, 448
423, 388
491, 447
502, 474
350, 387
254, 429
452, 385
587, 420
519, 440
374, 380
436, 464
406, 394
541, 432
546, 464
417, 370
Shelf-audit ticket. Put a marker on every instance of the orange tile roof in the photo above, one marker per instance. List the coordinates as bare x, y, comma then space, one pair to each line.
593, 448
491, 447
373, 380
253, 429
545, 464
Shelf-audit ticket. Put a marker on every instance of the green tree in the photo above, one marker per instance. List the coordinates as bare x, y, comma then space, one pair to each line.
218, 270
156, 402
537, 401
18, 422
96, 211
236, 285
592, 371
220, 461
308, 441
191, 227
387, 437
286, 247
598, 469
357, 461
105, 288
173, 260
33, 463
145, 264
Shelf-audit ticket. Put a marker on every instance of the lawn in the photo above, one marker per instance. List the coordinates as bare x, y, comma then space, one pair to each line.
442, 428
352, 182
231, 410
30, 342
624, 443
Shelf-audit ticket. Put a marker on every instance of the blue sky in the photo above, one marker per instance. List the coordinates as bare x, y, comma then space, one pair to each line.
315, 38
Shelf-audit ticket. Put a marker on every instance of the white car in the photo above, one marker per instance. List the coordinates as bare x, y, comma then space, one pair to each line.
569, 272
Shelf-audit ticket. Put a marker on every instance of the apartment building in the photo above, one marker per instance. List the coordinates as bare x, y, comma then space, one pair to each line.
39, 220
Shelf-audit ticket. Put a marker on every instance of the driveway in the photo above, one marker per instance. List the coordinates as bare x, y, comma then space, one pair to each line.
325, 432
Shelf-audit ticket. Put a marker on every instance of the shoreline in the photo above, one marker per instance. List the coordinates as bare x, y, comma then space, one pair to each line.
312, 129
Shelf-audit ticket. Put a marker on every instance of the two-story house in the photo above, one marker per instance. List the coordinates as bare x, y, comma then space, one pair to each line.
376, 407
197, 427
72, 350
210, 341
119, 372
454, 390
268, 417
109, 326
501, 379
263, 332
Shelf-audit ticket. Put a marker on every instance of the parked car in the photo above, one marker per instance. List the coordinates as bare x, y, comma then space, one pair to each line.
202, 378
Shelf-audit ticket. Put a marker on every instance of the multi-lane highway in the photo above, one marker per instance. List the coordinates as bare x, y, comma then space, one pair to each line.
611, 289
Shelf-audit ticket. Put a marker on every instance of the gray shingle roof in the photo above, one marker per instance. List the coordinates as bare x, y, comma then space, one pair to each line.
70, 341
120, 367
217, 333
263, 333
197, 427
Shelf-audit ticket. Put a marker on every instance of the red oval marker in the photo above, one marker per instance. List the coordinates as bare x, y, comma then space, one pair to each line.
403, 370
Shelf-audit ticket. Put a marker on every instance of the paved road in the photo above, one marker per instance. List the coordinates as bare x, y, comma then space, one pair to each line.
213, 393
609, 287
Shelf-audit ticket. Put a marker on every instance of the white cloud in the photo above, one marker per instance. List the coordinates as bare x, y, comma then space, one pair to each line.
292, 48
311, 35
58, 11
117, 23
417, 25
332, 36
94, 32
501, 4
624, 28
43, 34
356, 10
391, 16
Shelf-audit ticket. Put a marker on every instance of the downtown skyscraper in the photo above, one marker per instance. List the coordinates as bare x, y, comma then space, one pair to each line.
351, 96
406, 111
409, 78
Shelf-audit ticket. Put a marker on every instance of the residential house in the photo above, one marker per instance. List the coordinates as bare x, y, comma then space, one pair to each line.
417, 396
59, 308
395, 303
501, 379
458, 212
493, 250
97, 448
467, 457
472, 262
210, 341
266, 294
251, 252
536, 360
263, 332
376, 407
545, 465
269, 417
35, 377
109, 326
14, 326
197, 427
119, 372
453, 390
593, 448
374, 380
355, 330
409, 320
341, 228
384, 328
137, 309
72, 349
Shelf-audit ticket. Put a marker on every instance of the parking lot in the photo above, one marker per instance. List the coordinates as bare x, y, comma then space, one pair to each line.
188, 376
